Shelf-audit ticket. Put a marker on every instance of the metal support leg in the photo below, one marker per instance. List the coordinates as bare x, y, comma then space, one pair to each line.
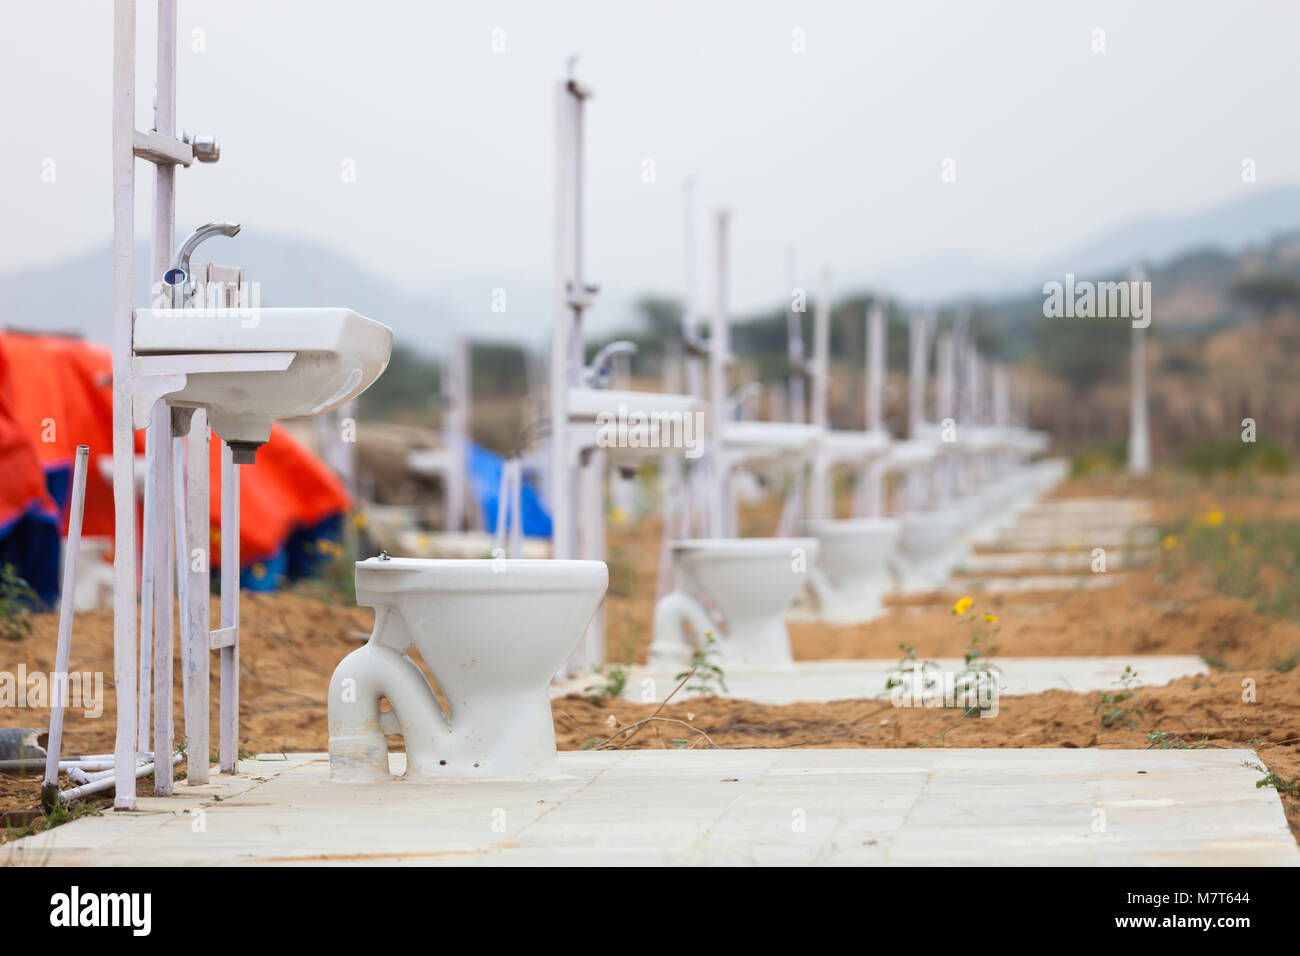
161, 546
197, 624
229, 719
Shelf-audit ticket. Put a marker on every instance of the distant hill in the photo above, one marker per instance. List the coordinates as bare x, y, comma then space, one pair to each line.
1196, 258
1231, 226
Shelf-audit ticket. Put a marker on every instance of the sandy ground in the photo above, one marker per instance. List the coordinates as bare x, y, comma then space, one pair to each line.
294, 641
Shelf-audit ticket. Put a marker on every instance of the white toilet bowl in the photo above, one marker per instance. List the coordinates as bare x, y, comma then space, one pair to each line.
492, 632
851, 574
738, 590
928, 544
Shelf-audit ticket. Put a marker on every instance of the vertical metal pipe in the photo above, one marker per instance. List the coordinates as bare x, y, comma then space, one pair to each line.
876, 368
229, 717
794, 342
67, 595
720, 517
822, 353
917, 374
146, 606
456, 430
182, 562
1139, 435
124, 584
198, 626
561, 472
691, 310
516, 466
870, 499
163, 731
821, 504
591, 544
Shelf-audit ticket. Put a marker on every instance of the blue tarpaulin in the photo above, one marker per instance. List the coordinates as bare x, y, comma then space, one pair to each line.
485, 469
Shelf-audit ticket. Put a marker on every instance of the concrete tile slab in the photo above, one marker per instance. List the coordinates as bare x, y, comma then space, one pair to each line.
806, 807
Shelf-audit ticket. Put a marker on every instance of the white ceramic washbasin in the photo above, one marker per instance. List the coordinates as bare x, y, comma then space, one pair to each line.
635, 427
851, 448
763, 445
910, 453
335, 354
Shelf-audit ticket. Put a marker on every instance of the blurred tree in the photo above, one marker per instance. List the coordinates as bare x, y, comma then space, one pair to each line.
410, 383
1268, 293
1083, 352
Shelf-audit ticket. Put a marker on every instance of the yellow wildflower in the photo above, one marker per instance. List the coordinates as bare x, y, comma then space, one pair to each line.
1170, 542
991, 618
1233, 539
1214, 518
962, 606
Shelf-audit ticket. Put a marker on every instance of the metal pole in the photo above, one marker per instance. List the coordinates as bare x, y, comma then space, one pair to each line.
871, 501
876, 368
690, 312
182, 561
455, 430
164, 446
720, 517
229, 717
161, 545
561, 502
1139, 435
821, 505
66, 602
146, 606
124, 594
794, 342
916, 376
198, 625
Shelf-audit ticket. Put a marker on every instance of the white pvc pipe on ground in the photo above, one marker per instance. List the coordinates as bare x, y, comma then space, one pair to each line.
100, 783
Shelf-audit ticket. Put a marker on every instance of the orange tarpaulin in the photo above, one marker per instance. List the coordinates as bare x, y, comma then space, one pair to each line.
22, 481
59, 395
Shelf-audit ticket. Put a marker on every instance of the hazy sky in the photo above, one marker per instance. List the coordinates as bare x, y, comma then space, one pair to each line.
838, 150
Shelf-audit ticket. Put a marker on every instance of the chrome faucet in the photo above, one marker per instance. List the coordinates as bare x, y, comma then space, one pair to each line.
178, 276
596, 375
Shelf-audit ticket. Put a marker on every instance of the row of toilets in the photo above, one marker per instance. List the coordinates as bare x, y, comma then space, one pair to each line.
494, 632
738, 590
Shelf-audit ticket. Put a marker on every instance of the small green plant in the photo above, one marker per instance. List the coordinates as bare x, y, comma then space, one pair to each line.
708, 678
1231, 456
1120, 706
1279, 784
16, 602
1286, 665
612, 683
976, 683
1167, 741
910, 671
